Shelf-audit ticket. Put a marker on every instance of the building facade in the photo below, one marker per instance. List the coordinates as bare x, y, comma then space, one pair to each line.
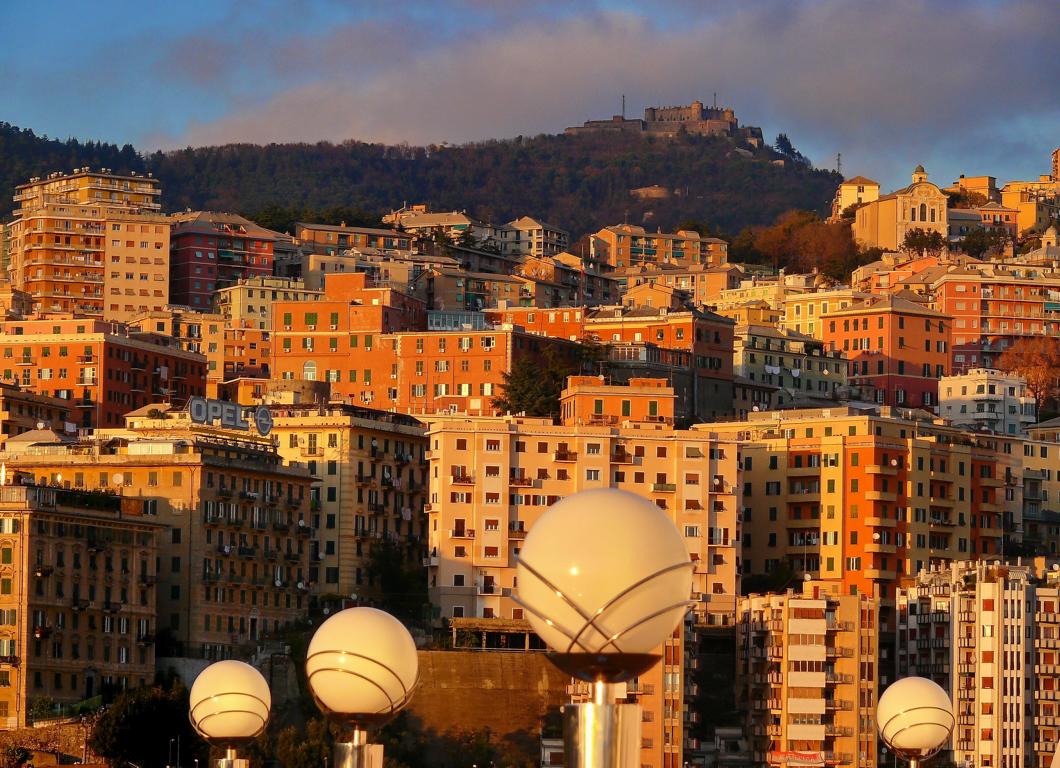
984, 398
884, 222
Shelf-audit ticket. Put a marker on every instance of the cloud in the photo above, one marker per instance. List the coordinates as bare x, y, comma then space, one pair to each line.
885, 83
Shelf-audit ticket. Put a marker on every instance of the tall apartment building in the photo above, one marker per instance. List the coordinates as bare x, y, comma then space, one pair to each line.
807, 676
212, 250
898, 349
248, 303
91, 243
983, 398
368, 493
103, 370
988, 635
626, 245
492, 477
527, 236
867, 496
77, 596
234, 564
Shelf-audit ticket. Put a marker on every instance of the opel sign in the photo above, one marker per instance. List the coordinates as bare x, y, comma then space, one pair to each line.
229, 415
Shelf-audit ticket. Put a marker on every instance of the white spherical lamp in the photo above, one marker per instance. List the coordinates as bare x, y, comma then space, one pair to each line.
229, 703
362, 666
915, 718
604, 572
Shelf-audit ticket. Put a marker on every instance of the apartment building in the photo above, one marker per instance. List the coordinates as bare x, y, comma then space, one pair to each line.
369, 487
448, 289
987, 399
994, 305
853, 192
803, 311
579, 282
983, 632
869, 495
799, 367
211, 250
91, 243
527, 236
103, 370
23, 411
626, 245
898, 349
331, 240
807, 676
77, 596
456, 226
608, 436
234, 562
706, 336
248, 303
702, 282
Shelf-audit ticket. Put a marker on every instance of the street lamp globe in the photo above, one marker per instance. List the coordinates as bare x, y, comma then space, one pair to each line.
915, 718
606, 573
229, 703
362, 666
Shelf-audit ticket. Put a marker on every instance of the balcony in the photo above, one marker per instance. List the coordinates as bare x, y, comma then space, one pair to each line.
40, 571
880, 496
462, 479
881, 469
521, 481
462, 533
145, 639
621, 457
569, 456
11, 660
663, 487
880, 522
41, 631
516, 531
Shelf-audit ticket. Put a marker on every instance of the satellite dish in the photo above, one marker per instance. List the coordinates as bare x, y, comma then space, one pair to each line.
894, 462
353, 595
117, 478
279, 583
1056, 566
755, 409
40, 425
301, 523
301, 585
327, 611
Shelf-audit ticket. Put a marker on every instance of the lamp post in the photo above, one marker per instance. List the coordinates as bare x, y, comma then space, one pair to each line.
604, 578
229, 707
362, 669
915, 718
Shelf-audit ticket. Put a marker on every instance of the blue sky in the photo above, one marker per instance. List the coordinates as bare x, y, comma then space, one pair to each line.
960, 86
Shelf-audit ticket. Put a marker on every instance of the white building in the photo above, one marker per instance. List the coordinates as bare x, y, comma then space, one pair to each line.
532, 237
986, 398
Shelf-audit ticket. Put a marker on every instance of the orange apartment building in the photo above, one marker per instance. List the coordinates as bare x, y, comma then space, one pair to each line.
77, 596
995, 305
492, 477
23, 411
233, 566
627, 245
707, 338
870, 496
91, 243
102, 369
702, 282
581, 282
898, 349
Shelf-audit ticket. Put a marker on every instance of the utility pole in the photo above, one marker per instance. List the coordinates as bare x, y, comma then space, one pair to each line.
623, 106
839, 163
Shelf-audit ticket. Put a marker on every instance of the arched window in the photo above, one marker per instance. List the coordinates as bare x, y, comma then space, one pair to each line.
912, 213
309, 371
923, 211
933, 214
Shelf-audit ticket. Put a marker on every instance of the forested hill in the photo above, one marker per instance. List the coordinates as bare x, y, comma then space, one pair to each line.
576, 182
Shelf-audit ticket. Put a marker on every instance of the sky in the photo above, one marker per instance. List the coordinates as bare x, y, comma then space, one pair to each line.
962, 86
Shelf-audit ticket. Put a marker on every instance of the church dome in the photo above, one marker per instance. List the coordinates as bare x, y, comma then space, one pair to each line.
919, 169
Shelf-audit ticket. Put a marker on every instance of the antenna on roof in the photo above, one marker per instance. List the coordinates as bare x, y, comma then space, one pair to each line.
715, 99
623, 106
839, 163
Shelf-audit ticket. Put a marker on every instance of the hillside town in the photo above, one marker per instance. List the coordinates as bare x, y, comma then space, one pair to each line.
214, 434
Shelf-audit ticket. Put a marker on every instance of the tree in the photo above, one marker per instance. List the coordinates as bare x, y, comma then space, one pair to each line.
1037, 361
533, 386
783, 146
980, 242
308, 747
924, 242
138, 726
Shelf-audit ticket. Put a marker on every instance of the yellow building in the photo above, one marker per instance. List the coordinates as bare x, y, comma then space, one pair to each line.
884, 222
807, 675
248, 303
370, 484
855, 191
234, 565
976, 185
23, 411
77, 596
802, 311
92, 243
1037, 203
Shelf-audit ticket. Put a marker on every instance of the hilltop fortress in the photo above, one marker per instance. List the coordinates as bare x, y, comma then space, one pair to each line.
695, 118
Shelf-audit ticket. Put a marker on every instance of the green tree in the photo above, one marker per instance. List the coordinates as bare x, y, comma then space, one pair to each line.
924, 242
980, 242
308, 747
137, 727
533, 386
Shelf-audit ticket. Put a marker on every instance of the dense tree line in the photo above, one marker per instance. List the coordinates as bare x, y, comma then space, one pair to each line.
576, 182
